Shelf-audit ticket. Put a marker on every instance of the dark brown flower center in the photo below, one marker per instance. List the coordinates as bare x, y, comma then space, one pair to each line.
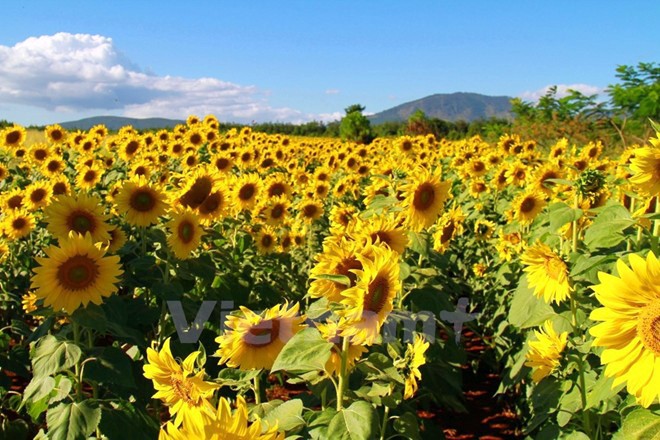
78, 272
424, 196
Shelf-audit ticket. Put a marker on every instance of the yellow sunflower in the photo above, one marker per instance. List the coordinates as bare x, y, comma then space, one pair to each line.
185, 233
12, 137
527, 206
449, 226
413, 359
646, 169
246, 192
265, 240
142, 202
309, 210
53, 167
82, 214
75, 274
38, 195
55, 134
385, 229
425, 197
547, 273
185, 393
330, 331
545, 352
117, 239
275, 211
254, 341
370, 301
18, 223
630, 331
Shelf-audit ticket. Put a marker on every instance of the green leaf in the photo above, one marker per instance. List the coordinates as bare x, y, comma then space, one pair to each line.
92, 317
640, 424
124, 418
341, 279
13, 429
51, 355
407, 425
526, 309
607, 229
73, 421
38, 388
561, 214
353, 423
306, 351
287, 416
111, 367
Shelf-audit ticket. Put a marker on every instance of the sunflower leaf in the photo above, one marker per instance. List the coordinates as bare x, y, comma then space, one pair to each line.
639, 424
306, 351
353, 423
51, 355
73, 421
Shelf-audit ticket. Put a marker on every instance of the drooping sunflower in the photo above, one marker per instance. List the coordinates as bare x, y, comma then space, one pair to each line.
185, 233
185, 393
545, 352
142, 202
18, 223
630, 331
81, 213
117, 239
425, 197
75, 274
413, 359
449, 226
254, 341
370, 301
527, 206
547, 273
330, 331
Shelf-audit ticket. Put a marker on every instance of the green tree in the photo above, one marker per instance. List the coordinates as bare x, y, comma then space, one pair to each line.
419, 124
636, 99
355, 126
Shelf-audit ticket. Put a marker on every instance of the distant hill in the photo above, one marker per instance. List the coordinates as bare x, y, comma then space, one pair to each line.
450, 107
117, 122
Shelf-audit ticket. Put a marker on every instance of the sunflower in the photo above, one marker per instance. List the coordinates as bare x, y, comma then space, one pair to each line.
18, 223
236, 425
547, 273
412, 360
129, 148
88, 176
330, 331
630, 331
185, 233
75, 274
275, 211
246, 191
215, 206
4, 249
254, 341
14, 200
53, 167
266, 240
369, 302
141, 202
517, 174
542, 178
449, 226
337, 258
117, 239
12, 137
82, 214
55, 134
425, 197
184, 392
309, 210
545, 352
527, 206
199, 184
38, 153
385, 229
483, 229
4, 172
646, 170
223, 163
38, 195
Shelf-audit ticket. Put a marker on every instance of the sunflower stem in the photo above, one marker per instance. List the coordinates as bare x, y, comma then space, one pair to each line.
343, 374
257, 389
574, 244
383, 426
583, 389
656, 223
77, 368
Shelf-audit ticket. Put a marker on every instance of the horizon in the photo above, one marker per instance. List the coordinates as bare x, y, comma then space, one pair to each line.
300, 62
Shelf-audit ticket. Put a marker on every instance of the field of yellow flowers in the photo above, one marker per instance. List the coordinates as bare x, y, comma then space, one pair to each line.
198, 284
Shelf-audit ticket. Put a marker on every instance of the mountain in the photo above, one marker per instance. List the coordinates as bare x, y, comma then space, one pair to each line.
449, 107
117, 122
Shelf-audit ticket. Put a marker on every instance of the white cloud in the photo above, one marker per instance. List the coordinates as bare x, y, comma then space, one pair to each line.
562, 91
332, 92
80, 72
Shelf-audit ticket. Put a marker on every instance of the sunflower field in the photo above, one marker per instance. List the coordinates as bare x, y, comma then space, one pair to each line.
199, 284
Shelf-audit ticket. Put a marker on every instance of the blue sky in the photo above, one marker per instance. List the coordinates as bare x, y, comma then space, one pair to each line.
303, 60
